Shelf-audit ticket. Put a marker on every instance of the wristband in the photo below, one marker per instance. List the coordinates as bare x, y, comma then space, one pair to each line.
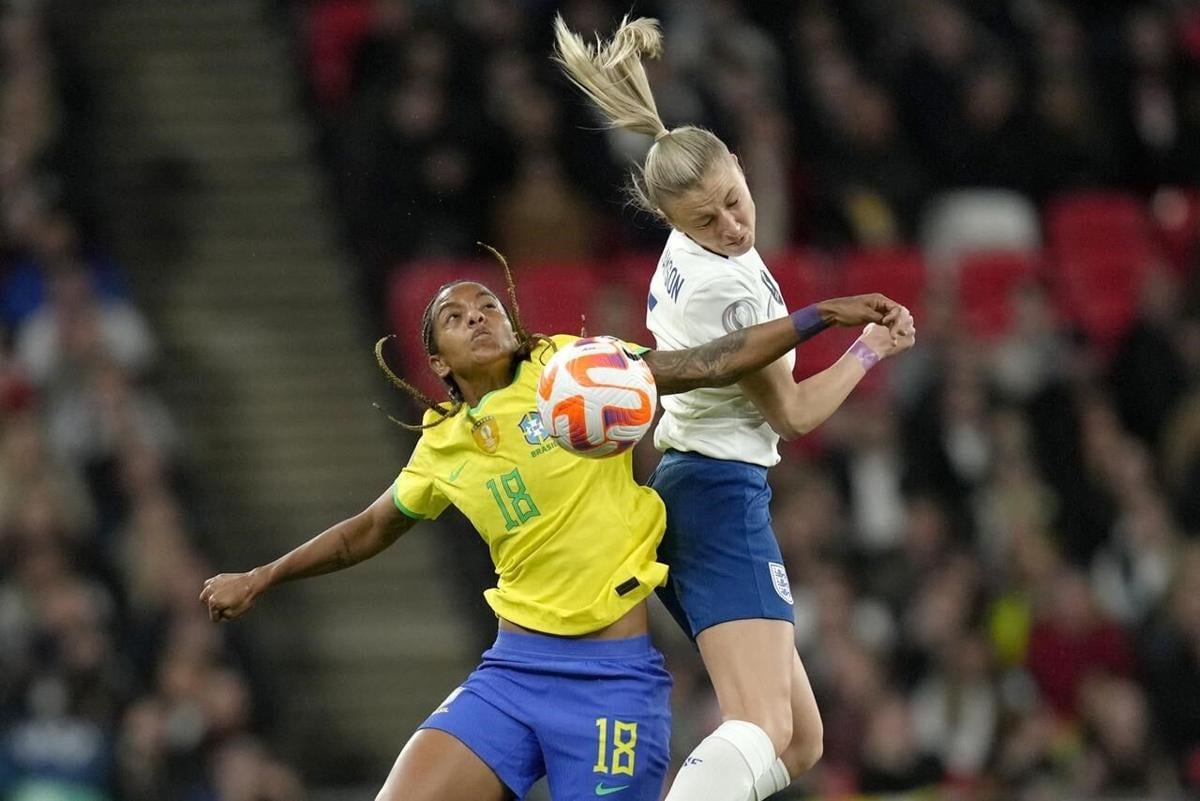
866, 357
808, 322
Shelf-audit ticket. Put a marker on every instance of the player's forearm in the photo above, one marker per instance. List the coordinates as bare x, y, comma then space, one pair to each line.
343, 545
817, 397
726, 360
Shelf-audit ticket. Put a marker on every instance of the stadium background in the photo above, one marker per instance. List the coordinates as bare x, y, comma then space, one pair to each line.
211, 210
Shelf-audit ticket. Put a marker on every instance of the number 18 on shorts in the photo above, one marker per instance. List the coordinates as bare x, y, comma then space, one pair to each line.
593, 717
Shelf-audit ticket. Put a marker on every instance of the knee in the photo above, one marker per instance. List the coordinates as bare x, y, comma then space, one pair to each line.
805, 749
778, 726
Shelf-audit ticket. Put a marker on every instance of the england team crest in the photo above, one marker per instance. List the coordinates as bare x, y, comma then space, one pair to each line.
779, 579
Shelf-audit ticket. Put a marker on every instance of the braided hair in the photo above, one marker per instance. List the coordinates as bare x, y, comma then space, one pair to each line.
525, 343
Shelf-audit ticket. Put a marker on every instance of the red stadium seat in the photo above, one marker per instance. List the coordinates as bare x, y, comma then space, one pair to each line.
629, 274
803, 276
986, 282
1099, 291
1094, 221
554, 296
898, 273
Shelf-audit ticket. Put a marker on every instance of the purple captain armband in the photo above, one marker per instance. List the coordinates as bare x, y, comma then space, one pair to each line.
866, 357
808, 322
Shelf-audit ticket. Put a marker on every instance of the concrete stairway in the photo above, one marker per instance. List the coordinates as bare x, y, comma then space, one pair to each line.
217, 208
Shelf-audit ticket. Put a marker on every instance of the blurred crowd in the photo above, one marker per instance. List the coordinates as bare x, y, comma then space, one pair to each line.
446, 123
113, 682
994, 545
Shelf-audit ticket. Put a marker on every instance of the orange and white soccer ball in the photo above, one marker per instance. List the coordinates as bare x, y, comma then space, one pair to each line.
596, 398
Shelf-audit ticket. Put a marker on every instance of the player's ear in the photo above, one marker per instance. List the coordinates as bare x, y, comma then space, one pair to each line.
439, 365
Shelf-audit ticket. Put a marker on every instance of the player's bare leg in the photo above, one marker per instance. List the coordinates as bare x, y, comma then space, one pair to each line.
807, 730
750, 664
436, 766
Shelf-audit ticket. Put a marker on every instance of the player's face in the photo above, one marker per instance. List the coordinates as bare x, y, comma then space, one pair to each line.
470, 329
719, 213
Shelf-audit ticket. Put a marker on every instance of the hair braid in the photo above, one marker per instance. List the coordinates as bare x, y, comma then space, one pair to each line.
398, 382
525, 340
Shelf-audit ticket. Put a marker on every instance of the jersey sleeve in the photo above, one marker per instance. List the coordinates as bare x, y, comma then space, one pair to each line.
415, 491
721, 306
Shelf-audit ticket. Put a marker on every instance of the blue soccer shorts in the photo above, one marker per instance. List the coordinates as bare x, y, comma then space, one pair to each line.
593, 716
724, 560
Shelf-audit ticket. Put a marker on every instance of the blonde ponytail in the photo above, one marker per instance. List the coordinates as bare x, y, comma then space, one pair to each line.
612, 76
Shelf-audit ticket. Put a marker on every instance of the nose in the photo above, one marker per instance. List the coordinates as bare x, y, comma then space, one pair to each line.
475, 316
733, 228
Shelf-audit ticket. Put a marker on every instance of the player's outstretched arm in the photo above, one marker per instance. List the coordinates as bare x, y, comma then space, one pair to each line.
793, 409
726, 360
230, 595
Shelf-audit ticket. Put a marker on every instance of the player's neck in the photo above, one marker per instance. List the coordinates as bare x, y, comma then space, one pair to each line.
488, 378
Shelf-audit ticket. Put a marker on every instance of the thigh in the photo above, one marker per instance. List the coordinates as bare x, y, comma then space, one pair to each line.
806, 717
437, 766
480, 718
750, 664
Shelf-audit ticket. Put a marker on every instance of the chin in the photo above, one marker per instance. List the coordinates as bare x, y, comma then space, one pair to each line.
488, 349
741, 250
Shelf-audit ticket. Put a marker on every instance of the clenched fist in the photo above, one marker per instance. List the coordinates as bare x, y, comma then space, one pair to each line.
859, 310
230, 595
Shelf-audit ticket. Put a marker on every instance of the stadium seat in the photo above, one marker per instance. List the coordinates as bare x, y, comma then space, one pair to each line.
1099, 291
803, 276
986, 282
554, 295
629, 274
968, 221
898, 273
1099, 247
1086, 222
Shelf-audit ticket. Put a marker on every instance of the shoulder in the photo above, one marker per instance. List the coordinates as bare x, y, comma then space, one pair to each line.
436, 434
559, 340
544, 350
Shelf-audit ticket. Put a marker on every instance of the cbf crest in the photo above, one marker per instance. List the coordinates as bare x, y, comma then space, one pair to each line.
531, 426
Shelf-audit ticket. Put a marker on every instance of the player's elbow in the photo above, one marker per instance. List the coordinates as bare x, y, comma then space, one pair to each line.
789, 427
792, 424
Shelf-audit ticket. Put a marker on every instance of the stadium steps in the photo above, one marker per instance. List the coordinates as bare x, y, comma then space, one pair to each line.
267, 362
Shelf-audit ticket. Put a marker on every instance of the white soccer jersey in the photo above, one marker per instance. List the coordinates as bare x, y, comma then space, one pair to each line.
695, 297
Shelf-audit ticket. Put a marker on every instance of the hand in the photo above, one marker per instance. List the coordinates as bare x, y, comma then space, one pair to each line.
858, 309
888, 340
230, 595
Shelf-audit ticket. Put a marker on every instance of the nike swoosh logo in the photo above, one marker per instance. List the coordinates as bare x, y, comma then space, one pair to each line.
602, 790
457, 470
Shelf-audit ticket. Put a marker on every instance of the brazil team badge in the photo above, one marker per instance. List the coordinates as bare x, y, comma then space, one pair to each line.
531, 426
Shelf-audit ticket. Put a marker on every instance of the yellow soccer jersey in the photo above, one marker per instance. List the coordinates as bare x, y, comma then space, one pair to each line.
573, 539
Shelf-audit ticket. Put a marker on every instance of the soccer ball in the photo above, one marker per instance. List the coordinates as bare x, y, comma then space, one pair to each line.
596, 398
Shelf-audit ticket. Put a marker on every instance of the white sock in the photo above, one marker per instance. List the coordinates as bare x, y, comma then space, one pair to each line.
775, 779
725, 765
